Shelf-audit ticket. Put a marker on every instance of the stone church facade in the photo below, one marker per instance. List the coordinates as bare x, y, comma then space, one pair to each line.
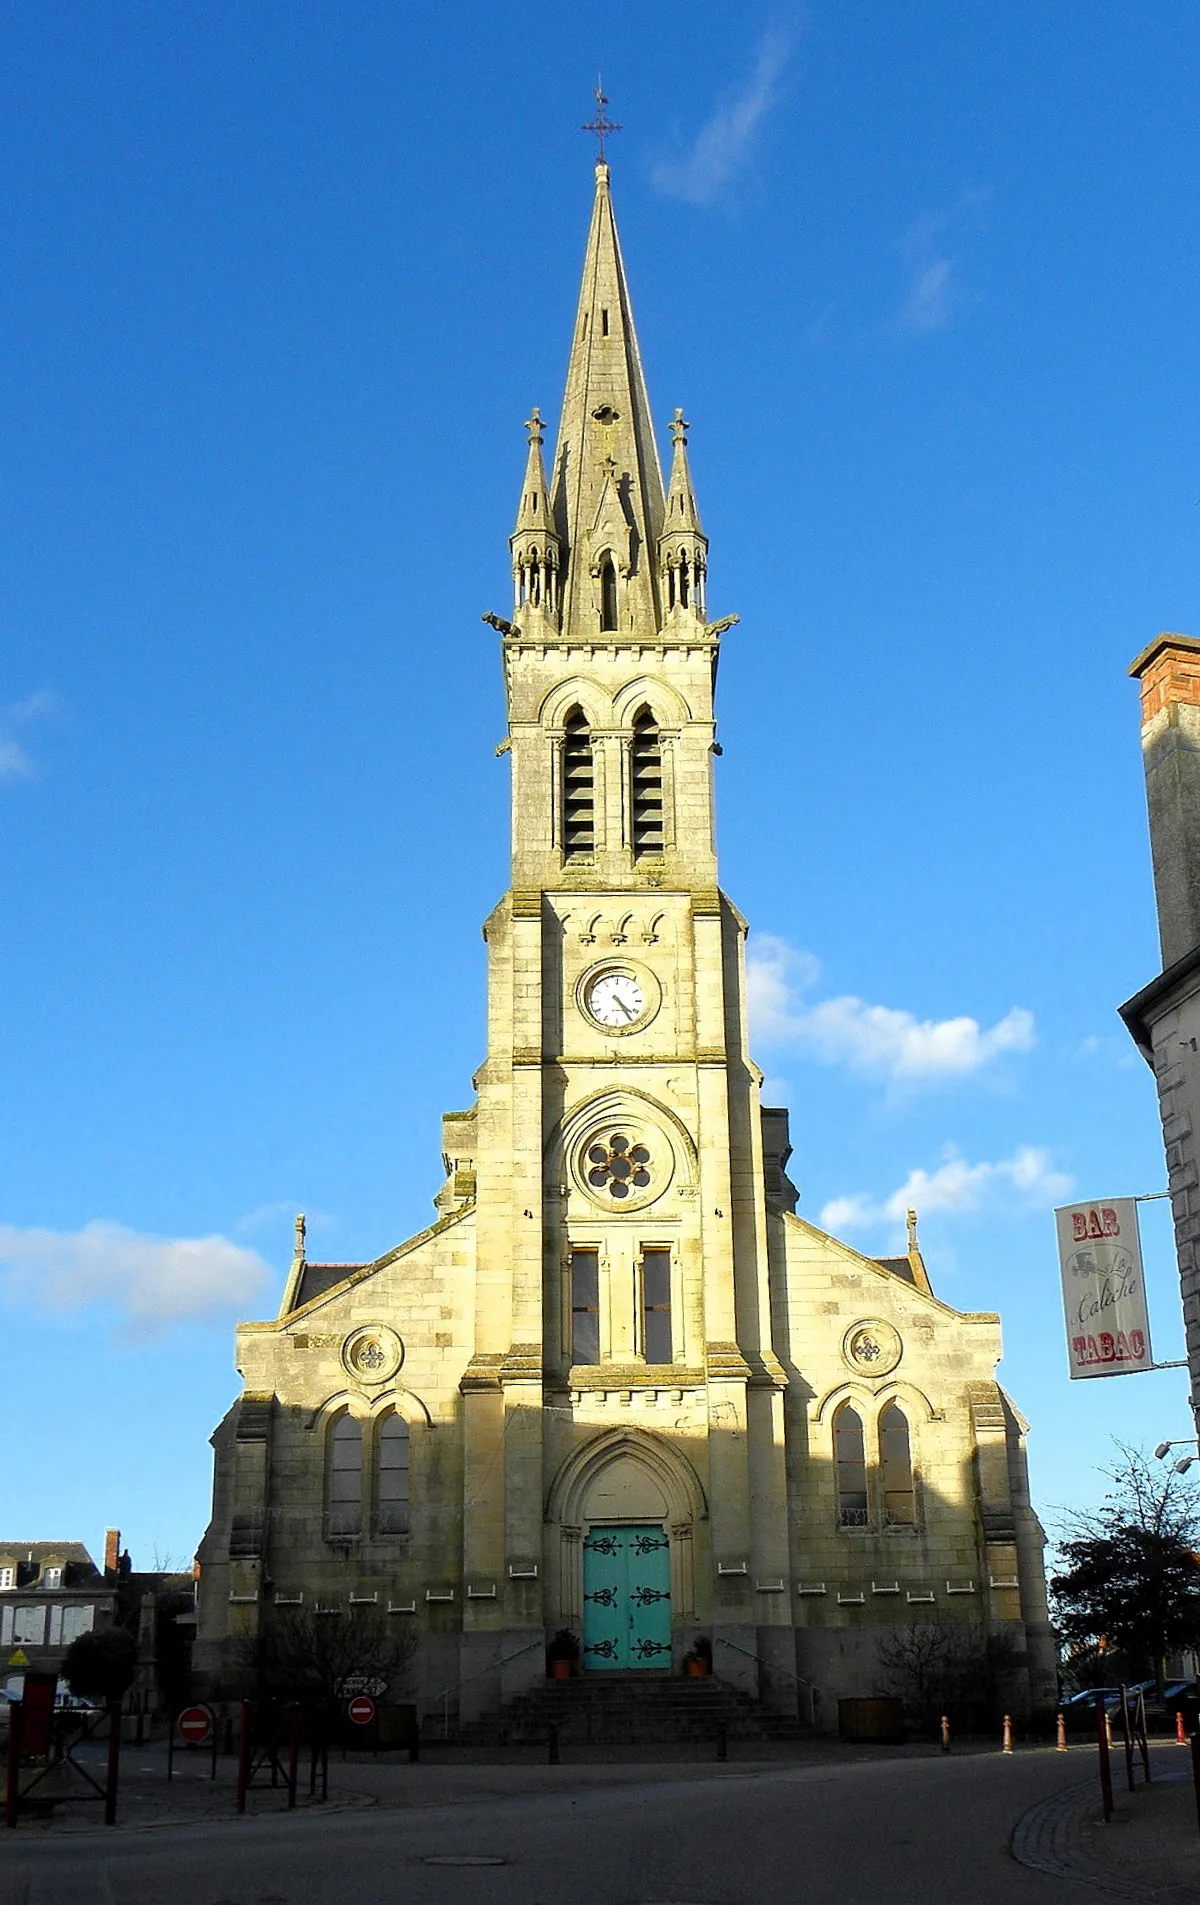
619, 1386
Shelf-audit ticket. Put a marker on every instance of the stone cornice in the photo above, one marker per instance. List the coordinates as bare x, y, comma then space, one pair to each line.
482, 1374
725, 1363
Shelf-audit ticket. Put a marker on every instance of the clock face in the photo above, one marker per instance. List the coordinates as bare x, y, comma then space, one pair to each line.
616, 999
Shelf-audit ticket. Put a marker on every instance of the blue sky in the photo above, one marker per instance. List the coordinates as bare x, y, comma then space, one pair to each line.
280, 284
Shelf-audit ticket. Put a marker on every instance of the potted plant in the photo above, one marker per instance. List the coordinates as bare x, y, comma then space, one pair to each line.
562, 1654
699, 1661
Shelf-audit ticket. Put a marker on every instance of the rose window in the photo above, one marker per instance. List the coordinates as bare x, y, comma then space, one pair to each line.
616, 1165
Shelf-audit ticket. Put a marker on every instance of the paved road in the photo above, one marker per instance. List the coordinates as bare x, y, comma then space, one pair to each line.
897, 1832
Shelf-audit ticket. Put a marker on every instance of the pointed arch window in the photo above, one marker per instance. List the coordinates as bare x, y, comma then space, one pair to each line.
608, 596
392, 1468
850, 1462
343, 1482
647, 772
895, 1459
579, 787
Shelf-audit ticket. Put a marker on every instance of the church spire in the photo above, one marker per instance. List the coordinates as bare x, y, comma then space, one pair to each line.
534, 543
683, 545
608, 488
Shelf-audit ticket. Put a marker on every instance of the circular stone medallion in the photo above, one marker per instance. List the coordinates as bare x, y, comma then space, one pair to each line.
872, 1348
373, 1354
623, 1164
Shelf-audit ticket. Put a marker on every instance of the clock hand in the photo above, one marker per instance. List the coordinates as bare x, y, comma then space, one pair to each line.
621, 1003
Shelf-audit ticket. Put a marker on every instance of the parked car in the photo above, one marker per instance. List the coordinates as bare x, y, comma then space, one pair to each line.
1085, 1700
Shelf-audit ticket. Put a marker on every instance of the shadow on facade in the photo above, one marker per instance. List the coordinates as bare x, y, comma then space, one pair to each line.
794, 1592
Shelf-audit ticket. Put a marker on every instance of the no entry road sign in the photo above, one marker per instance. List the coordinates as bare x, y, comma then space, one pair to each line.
361, 1710
195, 1725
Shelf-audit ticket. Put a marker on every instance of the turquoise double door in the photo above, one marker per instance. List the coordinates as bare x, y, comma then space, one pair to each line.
626, 1598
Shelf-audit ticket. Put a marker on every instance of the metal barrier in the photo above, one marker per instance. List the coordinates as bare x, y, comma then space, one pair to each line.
28, 1739
263, 1733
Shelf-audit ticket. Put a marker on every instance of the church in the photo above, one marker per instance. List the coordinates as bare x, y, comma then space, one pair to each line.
618, 1387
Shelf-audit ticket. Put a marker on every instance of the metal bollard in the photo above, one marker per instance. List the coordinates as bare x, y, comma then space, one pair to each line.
12, 1788
114, 1762
1108, 1734
1060, 1745
1106, 1791
1181, 1738
945, 1732
1007, 1747
243, 1764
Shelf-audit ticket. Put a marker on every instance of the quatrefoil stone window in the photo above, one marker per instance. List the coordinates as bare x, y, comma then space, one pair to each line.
372, 1354
615, 1164
873, 1347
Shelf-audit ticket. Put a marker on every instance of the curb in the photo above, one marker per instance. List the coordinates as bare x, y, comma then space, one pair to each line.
1046, 1839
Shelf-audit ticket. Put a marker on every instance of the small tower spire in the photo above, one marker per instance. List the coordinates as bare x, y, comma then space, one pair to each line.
920, 1275
534, 542
683, 545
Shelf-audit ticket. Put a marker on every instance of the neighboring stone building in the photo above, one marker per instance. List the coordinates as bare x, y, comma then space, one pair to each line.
1164, 1018
50, 1592
619, 1386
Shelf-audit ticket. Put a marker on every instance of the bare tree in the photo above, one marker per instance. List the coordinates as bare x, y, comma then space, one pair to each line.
937, 1666
319, 1660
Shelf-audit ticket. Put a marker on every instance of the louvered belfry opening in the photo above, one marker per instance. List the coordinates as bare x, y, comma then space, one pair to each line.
646, 754
579, 787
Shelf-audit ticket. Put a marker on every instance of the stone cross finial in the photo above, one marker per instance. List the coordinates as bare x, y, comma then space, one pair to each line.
533, 423
912, 1231
679, 428
301, 1232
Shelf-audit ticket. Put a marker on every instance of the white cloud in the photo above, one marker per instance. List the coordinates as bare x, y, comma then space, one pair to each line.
931, 297
775, 1091
1115, 1051
150, 1281
1026, 1181
934, 290
15, 761
879, 1039
725, 138
15, 764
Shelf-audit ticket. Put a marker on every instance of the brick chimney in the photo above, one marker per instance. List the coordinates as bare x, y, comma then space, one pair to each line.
1169, 673
112, 1552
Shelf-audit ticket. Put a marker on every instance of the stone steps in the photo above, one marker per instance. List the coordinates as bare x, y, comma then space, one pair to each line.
619, 1709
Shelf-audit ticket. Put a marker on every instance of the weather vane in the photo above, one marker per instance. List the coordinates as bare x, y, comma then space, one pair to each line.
601, 125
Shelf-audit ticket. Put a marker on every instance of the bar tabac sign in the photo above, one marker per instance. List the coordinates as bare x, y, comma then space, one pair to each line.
1104, 1291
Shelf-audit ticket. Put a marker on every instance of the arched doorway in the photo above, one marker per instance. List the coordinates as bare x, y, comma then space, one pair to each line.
626, 1569
626, 1503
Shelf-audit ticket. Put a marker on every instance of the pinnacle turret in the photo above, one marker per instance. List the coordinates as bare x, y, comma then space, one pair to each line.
683, 545
536, 553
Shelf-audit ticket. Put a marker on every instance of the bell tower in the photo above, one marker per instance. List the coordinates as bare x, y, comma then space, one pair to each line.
622, 1270
609, 661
